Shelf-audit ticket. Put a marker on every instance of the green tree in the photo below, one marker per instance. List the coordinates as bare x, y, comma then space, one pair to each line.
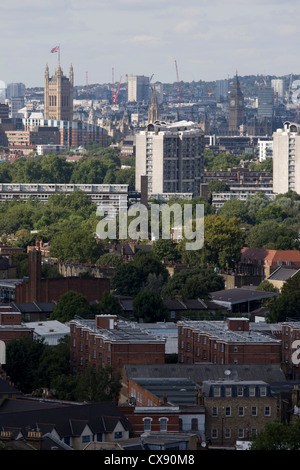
54, 361
223, 241
278, 436
193, 283
70, 305
23, 356
110, 259
103, 384
109, 305
75, 244
127, 279
166, 250
266, 286
149, 306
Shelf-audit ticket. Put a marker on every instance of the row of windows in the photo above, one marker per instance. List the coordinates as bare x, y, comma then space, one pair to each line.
241, 433
240, 411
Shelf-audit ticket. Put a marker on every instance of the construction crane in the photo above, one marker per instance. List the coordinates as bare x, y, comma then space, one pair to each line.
178, 84
114, 95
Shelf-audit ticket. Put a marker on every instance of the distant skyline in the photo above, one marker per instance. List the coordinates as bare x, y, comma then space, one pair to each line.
210, 40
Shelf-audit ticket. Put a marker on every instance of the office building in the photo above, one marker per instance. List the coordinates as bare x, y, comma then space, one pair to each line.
221, 90
16, 103
2, 92
58, 95
138, 88
278, 86
286, 159
72, 133
15, 90
265, 103
171, 156
236, 107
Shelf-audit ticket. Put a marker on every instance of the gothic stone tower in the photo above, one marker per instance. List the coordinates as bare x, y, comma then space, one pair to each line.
236, 107
58, 95
153, 111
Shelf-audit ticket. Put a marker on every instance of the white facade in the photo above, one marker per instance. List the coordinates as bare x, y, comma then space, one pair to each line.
138, 88
286, 159
279, 87
171, 156
264, 149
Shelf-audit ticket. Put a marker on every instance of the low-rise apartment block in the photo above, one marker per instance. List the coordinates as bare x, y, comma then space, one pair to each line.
236, 410
108, 340
225, 342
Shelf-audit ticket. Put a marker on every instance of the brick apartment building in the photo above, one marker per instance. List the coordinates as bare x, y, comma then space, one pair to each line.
11, 328
225, 342
235, 410
110, 341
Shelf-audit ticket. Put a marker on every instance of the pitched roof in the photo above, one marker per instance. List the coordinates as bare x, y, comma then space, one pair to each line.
67, 420
283, 273
270, 257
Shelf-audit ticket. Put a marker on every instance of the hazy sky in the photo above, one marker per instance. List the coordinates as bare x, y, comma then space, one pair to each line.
209, 39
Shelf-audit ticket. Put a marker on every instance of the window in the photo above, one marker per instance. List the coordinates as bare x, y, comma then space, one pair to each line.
227, 433
217, 391
214, 433
147, 424
263, 391
163, 424
241, 411
227, 411
240, 391
214, 411
228, 391
118, 434
86, 438
251, 391
253, 411
241, 433
267, 411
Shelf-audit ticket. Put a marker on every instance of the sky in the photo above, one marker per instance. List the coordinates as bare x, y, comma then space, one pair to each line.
208, 39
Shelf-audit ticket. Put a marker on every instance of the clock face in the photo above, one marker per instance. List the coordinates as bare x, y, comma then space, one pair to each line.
232, 102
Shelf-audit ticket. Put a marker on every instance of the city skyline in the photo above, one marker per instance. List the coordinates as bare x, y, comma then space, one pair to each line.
209, 41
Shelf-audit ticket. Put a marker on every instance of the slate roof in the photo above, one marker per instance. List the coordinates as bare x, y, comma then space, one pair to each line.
239, 295
191, 304
201, 372
283, 273
67, 420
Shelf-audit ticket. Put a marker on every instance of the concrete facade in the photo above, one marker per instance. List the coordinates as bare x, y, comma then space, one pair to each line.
286, 159
171, 156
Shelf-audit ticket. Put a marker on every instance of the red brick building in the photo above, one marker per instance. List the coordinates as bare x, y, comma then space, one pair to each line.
225, 342
109, 341
37, 289
11, 328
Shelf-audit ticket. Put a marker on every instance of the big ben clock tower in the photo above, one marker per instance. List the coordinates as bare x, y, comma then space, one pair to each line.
236, 107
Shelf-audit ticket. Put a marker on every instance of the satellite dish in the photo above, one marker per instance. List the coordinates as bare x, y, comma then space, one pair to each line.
227, 372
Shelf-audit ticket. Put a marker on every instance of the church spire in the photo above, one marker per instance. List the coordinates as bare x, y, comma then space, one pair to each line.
153, 112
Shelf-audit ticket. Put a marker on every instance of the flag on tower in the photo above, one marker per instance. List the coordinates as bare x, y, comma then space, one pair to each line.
55, 49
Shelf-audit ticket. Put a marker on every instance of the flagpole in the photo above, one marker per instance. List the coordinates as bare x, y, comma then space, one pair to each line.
59, 53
